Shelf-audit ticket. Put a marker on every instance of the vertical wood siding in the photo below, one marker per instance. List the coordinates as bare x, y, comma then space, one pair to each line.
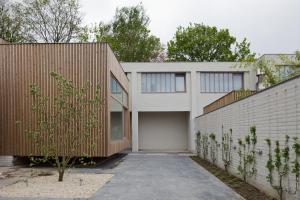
24, 64
115, 68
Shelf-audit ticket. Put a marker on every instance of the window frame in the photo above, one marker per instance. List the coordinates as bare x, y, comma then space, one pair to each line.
165, 75
113, 95
220, 74
125, 107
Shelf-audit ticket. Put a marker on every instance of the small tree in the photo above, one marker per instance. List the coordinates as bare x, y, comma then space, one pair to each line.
226, 148
275, 70
270, 166
198, 143
213, 148
205, 144
64, 122
296, 164
280, 164
247, 153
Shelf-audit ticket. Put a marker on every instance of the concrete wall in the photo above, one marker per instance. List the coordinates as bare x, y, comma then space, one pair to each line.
275, 112
191, 101
163, 131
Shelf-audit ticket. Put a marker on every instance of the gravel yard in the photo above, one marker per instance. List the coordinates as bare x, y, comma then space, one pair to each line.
75, 185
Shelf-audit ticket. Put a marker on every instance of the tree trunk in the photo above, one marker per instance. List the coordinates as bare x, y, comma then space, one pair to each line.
61, 175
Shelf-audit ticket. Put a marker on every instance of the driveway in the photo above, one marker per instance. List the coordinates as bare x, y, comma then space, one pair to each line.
163, 177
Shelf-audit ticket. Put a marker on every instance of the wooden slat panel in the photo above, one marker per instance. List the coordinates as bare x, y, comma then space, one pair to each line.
24, 64
115, 68
227, 99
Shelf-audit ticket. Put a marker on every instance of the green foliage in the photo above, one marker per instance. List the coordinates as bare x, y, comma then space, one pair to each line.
10, 26
247, 154
272, 69
198, 143
280, 164
128, 34
296, 164
64, 122
199, 42
49, 20
226, 148
204, 142
213, 148
270, 166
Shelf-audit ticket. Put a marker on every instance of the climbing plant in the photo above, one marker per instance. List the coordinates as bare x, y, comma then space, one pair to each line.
213, 148
247, 156
296, 164
226, 148
270, 166
280, 164
204, 141
198, 143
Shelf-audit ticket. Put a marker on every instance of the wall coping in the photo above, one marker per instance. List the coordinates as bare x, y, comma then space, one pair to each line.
273, 86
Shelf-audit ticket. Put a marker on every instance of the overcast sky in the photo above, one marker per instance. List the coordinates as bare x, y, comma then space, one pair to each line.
272, 26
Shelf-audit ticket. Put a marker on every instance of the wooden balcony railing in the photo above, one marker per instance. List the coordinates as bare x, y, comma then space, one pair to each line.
227, 99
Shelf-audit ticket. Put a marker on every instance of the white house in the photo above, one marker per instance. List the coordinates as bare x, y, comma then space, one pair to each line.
166, 97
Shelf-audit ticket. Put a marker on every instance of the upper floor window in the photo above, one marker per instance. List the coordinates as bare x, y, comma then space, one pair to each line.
163, 82
117, 91
220, 81
284, 70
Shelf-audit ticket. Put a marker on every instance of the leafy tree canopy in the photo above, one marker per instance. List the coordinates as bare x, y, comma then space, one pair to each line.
10, 26
277, 70
49, 20
128, 34
199, 42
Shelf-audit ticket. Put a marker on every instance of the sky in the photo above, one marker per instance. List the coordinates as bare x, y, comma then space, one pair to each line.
271, 26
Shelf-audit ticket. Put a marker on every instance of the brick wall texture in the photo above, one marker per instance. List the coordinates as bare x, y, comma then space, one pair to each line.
275, 112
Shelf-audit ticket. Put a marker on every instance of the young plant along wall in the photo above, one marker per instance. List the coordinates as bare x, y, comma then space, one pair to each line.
279, 166
247, 152
226, 148
259, 139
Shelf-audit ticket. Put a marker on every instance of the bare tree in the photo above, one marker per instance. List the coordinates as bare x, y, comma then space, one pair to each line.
49, 20
10, 25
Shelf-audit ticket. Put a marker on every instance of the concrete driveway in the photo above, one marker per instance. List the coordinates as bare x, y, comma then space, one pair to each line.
163, 177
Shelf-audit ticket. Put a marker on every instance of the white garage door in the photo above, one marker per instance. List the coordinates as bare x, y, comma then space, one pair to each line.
163, 131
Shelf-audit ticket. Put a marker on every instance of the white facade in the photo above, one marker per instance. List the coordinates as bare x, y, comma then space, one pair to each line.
191, 101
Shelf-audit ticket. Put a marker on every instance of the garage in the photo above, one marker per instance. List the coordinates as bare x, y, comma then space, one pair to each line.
163, 131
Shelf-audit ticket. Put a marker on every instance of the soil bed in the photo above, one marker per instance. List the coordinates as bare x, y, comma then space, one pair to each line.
246, 190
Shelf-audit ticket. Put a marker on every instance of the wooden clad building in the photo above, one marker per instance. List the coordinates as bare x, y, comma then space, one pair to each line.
24, 64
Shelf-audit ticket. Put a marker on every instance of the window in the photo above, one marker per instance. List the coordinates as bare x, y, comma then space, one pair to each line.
220, 82
237, 81
163, 82
284, 70
118, 102
180, 82
117, 91
116, 119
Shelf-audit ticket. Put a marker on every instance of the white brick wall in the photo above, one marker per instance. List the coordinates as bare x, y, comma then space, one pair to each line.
275, 112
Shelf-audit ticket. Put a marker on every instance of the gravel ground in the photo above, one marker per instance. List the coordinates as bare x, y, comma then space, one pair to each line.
75, 185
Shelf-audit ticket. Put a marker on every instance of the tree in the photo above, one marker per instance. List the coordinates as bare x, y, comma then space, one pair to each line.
10, 26
128, 35
276, 70
64, 122
49, 20
199, 42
